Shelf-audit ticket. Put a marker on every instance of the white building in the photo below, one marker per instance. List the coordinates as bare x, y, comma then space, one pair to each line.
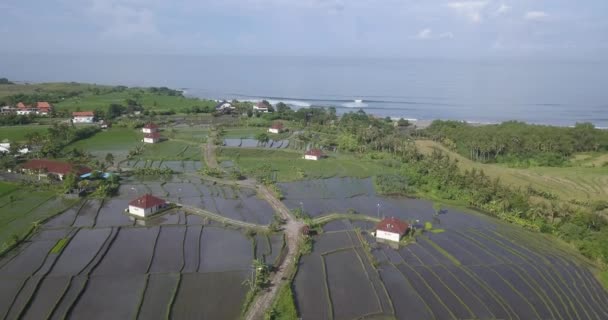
224, 106
313, 154
146, 205
153, 137
150, 128
276, 128
83, 117
260, 107
391, 229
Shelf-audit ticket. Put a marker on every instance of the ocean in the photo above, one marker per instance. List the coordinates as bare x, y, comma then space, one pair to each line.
488, 91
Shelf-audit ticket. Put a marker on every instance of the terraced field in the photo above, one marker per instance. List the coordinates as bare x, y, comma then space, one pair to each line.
478, 268
578, 182
173, 266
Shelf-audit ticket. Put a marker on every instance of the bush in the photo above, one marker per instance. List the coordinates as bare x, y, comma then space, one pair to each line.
391, 184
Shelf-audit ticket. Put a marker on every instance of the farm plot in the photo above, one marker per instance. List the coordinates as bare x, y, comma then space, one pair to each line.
81, 250
47, 296
130, 253
112, 214
157, 297
210, 295
216, 242
87, 214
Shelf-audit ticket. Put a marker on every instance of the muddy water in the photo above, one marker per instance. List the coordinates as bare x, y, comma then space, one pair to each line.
112, 214
168, 254
130, 253
83, 247
110, 297
217, 242
87, 214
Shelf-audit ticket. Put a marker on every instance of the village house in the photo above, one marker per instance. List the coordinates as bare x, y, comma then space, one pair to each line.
83, 117
43, 108
146, 205
276, 127
153, 137
224, 106
260, 107
391, 229
8, 110
313, 154
45, 167
150, 128
24, 110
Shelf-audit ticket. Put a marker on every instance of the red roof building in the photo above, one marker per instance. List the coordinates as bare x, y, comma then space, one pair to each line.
43, 105
392, 225
58, 168
151, 126
83, 114
147, 201
20, 105
277, 125
314, 152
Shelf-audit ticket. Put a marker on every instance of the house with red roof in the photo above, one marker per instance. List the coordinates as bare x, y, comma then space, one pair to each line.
150, 128
44, 108
24, 110
153, 137
313, 154
391, 229
83, 117
45, 167
146, 205
276, 127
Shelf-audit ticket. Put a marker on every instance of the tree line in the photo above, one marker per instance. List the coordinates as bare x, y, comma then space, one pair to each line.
517, 142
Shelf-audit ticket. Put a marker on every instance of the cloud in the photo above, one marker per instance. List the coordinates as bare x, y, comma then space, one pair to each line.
124, 18
502, 9
470, 9
424, 34
427, 33
535, 15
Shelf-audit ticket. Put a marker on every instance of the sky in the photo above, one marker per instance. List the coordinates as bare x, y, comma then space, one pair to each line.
388, 28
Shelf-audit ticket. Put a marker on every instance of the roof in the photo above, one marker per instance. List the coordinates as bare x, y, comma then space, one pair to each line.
83, 114
261, 104
147, 201
153, 135
393, 225
20, 105
57, 167
314, 152
151, 126
277, 125
222, 103
43, 105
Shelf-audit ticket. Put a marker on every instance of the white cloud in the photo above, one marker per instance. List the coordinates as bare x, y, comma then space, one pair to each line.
473, 10
446, 35
535, 15
424, 34
503, 8
124, 18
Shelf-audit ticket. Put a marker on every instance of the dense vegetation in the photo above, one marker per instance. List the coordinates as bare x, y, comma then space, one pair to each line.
518, 143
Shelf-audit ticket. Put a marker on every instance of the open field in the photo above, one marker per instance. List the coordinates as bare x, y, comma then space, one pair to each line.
290, 166
478, 268
156, 270
171, 150
117, 141
21, 207
568, 183
18, 133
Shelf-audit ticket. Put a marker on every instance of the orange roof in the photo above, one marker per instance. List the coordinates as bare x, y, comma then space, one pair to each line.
147, 201
261, 104
393, 225
277, 125
314, 152
83, 114
56, 167
20, 105
43, 105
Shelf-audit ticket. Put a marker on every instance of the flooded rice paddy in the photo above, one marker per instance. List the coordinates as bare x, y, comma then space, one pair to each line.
252, 143
478, 268
175, 265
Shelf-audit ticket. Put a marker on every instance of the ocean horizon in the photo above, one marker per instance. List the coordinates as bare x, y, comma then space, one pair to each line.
489, 91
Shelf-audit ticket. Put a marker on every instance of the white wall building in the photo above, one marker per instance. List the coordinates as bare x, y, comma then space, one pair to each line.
146, 205
391, 229
83, 117
313, 154
276, 128
150, 128
153, 137
260, 107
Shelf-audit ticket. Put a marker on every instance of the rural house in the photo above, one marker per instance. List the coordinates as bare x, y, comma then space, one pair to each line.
23, 110
391, 229
146, 205
276, 127
45, 167
83, 117
260, 107
153, 137
224, 106
150, 128
313, 154
43, 108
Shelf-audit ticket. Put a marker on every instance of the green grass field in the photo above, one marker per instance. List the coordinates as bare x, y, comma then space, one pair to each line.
192, 134
290, 166
21, 207
114, 140
172, 150
578, 182
18, 133
243, 133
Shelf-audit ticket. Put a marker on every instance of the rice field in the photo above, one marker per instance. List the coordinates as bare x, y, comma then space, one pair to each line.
580, 182
109, 266
478, 268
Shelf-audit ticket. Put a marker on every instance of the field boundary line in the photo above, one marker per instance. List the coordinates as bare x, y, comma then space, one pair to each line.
431, 290
103, 201
8, 310
491, 291
441, 250
330, 303
101, 247
516, 291
58, 302
142, 296
160, 228
471, 293
174, 296
198, 248
525, 277
369, 280
68, 312
451, 291
390, 302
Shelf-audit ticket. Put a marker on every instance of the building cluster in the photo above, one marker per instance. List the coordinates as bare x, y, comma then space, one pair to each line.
41, 108
151, 133
55, 168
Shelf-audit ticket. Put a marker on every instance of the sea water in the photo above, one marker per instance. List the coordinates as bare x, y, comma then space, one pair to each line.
486, 91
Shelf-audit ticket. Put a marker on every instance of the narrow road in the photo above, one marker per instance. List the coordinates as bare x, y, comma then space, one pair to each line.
222, 219
291, 228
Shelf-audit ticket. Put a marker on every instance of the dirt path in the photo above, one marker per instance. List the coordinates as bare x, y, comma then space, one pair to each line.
291, 228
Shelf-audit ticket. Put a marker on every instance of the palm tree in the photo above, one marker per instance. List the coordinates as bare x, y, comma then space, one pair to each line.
110, 159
